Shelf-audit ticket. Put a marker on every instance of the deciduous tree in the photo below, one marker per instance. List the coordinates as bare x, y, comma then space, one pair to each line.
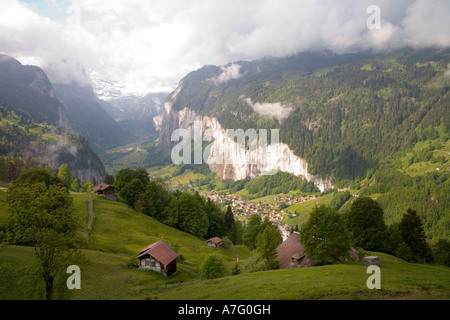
325, 235
41, 215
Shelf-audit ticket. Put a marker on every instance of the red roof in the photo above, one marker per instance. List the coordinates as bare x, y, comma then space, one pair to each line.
161, 251
215, 240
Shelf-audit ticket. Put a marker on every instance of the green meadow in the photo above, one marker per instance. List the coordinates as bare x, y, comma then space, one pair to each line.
109, 269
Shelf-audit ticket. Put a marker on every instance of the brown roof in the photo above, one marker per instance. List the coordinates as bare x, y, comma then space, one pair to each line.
289, 248
102, 187
161, 251
215, 240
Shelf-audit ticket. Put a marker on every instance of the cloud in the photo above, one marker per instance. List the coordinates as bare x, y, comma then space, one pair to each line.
272, 110
66, 72
231, 72
142, 45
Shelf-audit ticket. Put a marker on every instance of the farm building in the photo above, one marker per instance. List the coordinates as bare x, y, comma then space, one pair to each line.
159, 257
290, 254
215, 242
105, 190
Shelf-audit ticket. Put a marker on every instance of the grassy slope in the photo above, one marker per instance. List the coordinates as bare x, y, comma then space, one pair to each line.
120, 232
120, 229
399, 280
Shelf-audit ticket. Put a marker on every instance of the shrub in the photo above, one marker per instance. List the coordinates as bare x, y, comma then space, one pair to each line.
214, 267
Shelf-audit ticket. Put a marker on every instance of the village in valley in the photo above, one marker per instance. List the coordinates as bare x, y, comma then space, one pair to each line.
274, 210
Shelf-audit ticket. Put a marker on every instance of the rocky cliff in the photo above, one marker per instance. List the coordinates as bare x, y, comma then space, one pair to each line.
226, 156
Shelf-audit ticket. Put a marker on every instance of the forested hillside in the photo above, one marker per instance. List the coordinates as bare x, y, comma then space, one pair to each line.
377, 123
25, 144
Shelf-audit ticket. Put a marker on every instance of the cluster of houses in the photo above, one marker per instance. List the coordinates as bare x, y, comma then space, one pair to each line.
243, 209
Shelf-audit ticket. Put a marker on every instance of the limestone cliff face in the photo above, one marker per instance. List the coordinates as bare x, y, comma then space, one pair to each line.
225, 156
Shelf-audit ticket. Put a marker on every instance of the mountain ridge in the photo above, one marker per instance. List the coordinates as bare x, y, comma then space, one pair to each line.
340, 104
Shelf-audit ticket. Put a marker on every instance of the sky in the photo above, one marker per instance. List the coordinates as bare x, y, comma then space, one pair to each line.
142, 46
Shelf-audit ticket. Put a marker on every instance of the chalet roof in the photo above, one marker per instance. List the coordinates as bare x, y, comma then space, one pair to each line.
289, 248
161, 251
298, 256
215, 240
102, 187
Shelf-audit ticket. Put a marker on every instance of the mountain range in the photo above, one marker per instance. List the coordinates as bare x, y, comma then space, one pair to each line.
341, 117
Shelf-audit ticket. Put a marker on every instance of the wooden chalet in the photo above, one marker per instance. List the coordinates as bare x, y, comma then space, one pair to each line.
105, 190
159, 257
290, 254
215, 242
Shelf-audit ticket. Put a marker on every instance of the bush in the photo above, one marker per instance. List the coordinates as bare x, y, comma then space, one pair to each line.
404, 252
226, 242
235, 270
361, 253
256, 262
214, 267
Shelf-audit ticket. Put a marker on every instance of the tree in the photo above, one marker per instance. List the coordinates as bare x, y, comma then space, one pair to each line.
87, 187
216, 227
93, 181
75, 185
229, 219
125, 176
214, 267
256, 262
131, 191
441, 252
154, 200
413, 234
235, 269
184, 212
64, 175
267, 244
236, 232
109, 179
366, 223
42, 216
325, 235
254, 228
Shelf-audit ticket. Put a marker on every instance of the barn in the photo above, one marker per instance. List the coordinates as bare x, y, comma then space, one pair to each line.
290, 254
159, 257
106, 191
215, 242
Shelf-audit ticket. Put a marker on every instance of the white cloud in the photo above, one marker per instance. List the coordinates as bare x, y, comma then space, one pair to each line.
272, 110
142, 45
228, 73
